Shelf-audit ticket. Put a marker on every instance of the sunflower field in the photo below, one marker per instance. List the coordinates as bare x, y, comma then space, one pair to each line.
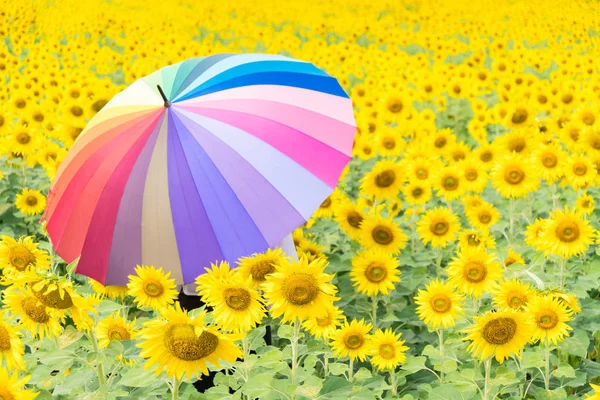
458, 257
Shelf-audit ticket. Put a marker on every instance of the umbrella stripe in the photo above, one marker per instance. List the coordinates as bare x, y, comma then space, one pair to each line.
235, 231
74, 160
138, 94
271, 212
71, 219
287, 176
95, 253
184, 82
325, 162
229, 62
184, 70
159, 246
263, 67
319, 83
335, 107
126, 248
331, 132
168, 77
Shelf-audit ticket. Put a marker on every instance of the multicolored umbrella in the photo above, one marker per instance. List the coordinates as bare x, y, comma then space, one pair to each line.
207, 160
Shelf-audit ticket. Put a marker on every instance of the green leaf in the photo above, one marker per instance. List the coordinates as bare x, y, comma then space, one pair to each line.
465, 379
285, 332
139, 377
338, 368
504, 377
258, 386
414, 364
564, 370
311, 387
556, 394
532, 360
362, 374
449, 392
69, 336
60, 360
335, 385
576, 345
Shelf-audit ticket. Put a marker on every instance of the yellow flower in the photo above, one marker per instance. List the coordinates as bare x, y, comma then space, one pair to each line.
438, 226
299, 290
500, 334
114, 328
584, 204
439, 305
151, 287
483, 216
112, 292
352, 340
568, 300
476, 239
388, 351
512, 294
37, 319
417, 192
11, 346
11, 387
566, 234
258, 266
21, 254
474, 271
549, 162
550, 318
309, 249
580, 172
183, 346
323, 327
374, 272
384, 181
514, 176
448, 183
533, 234
474, 175
30, 202
513, 258
216, 274
596, 394
327, 208
349, 216
382, 233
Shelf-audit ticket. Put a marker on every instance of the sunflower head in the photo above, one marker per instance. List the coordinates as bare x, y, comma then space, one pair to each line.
352, 340
374, 272
152, 287
439, 305
387, 351
550, 318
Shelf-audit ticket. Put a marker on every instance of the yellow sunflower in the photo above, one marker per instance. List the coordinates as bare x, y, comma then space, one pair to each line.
382, 233
299, 290
512, 294
114, 328
513, 258
21, 254
349, 216
216, 274
309, 249
438, 226
237, 306
420, 168
483, 216
549, 162
151, 287
442, 140
566, 234
11, 387
500, 334
388, 351
533, 234
327, 208
475, 238
384, 181
569, 300
580, 171
471, 200
474, 175
11, 346
323, 327
596, 393
449, 183
30, 202
182, 345
584, 204
112, 292
439, 305
474, 271
417, 192
374, 272
260, 265
33, 316
514, 176
352, 340
550, 318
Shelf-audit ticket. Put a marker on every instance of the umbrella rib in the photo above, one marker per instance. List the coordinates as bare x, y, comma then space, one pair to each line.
167, 102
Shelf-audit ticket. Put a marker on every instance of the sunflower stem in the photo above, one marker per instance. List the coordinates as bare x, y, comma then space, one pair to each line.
295, 337
393, 380
486, 387
175, 389
351, 370
562, 273
99, 366
441, 337
438, 261
547, 369
511, 219
374, 302
325, 365
246, 350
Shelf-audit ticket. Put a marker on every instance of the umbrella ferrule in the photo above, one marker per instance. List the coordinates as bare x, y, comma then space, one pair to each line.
167, 102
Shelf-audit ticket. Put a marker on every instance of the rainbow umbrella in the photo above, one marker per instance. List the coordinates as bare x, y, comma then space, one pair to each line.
207, 160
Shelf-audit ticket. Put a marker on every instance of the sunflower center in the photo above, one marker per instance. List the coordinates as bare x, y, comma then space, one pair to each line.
585, 204
514, 175
567, 231
153, 288
118, 333
182, 342
261, 269
471, 174
588, 118
52, 299
23, 138
517, 144
475, 271
499, 331
76, 111
509, 261
354, 219
440, 142
519, 116
31, 201
422, 173
579, 169
385, 179
486, 156
389, 143
439, 227
450, 182
6, 395
440, 303
473, 240
382, 235
20, 257
549, 160
485, 217
326, 203
35, 311
353, 341
387, 351
547, 320
237, 298
516, 300
394, 106
4, 339
324, 321
375, 272
417, 192
300, 289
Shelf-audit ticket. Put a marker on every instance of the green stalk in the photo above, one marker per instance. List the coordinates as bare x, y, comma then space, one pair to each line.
351, 370
441, 337
295, 338
393, 381
100, 366
486, 387
175, 389
547, 374
374, 311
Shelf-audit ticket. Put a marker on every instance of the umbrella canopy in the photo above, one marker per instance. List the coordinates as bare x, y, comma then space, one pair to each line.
207, 160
